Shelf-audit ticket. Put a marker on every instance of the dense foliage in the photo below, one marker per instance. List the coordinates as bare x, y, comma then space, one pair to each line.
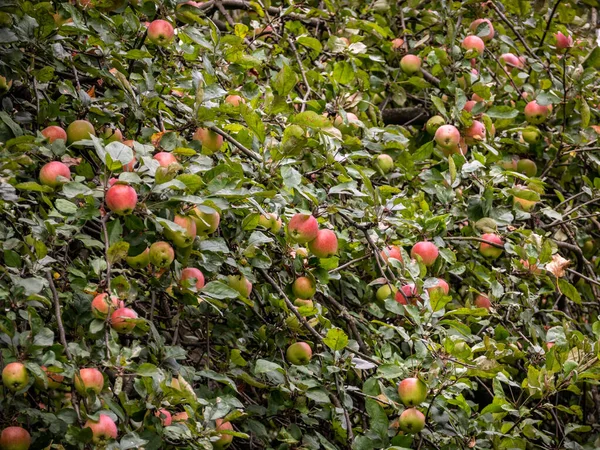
245, 223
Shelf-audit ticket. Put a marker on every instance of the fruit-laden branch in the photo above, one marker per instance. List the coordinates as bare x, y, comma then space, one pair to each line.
414, 115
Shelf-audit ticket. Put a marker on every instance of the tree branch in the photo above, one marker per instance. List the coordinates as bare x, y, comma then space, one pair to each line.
57, 313
240, 146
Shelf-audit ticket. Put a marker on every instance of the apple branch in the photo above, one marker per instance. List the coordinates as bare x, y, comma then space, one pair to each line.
239, 145
513, 29
351, 323
58, 314
548, 25
304, 79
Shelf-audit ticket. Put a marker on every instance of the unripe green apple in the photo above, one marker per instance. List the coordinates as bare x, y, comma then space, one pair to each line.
80, 130
489, 251
299, 353
385, 292
161, 254
412, 391
304, 288
531, 135
241, 284
206, 218
139, 261
433, 124
527, 167
271, 222
15, 376
410, 64
411, 421
111, 135
384, 163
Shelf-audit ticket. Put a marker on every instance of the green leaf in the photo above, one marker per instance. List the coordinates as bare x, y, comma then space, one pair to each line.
311, 43
285, 80
117, 252
377, 418
502, 112
264, 366
33, 186
569, 290
219, 290
343, 72
311, 119
336, 339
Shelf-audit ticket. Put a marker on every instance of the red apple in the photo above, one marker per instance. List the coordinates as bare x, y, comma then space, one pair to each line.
209, 139
535, 113
447, 137
474, 44
181, 417
80, 130
512, 61
470, 105
15, 376
225, 439
53, 133
121, 322
488, 250
410, 64
475, 133
53, 173
299, 354
15, 438
161, 254
441, 286
101, 306
164, 416
161, 32
304, 288
234, 100
103, 430
411, 421
397, 43
563, 42
351, 118
195, 277
482, 301
410, 294
241, 284
324, 245
426, 251
412, 391
165, 159
121, 199
54, 380
303, 228
475, 24
89, 379
391, 251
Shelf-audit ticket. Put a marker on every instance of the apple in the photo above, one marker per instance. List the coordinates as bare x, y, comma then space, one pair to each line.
181, 417
441, 285
433, 124
426, 251
473, 44
4, 85
411, 421
206, 219
470, 105
103, 430
301, 302
531, 135
139, 261
161, 254
209, 139
188, 12
475, 133
476, 23
111, 135
160, 32
54, 174
535, 113
15, 438
397, 43
563, 42
121, 199
351, 117
324, 245
512, 61
385, 292
410, 294
89, 379
482, 301
447, 137
101, 306
241, 284
80, 130
15, 377
195, 277
121, 322
526, 204
488, 250
303, 228
509, 163
164, 416
54, 380
391, 251
299, 354
410, 64
304, 288
225, 439
54, 133
165, 159
384, 163
182, 239
234, 100
412, 391
271, 222
527, 167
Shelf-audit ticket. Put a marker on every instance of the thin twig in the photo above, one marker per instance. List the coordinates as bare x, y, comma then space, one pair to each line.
349, 263
57, 313
472, 238
548, 25
240, 146
512, 27
304, 79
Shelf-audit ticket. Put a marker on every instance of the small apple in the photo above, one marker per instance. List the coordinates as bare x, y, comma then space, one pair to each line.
473, 44
209, 139
536, 113
488, 250
80, 130
411, 421
190, 276
384, 292
433, 124
300, 303
89, 379
409, 294
101, 306
161, 254
207, 219
512, 61
447, 137
391, 251
161, 32
527, 167
15, 438
234, 100
324, 245
241, 284
412, 391
520, 194
271, 222
563, 42
410, 64
165, 159
475, 133
15, 376
139, 261
303, 228
164, 416
111, 135
426, 251
54, 133
121, 322
470, 105
475, 25
441, 285
5, 85
181, 417
54, 174
384, 163
121, 199
351, 117
482, 301
531, 135
225, 439
103, 430
509, 163
299, 354
182, 239
304, 288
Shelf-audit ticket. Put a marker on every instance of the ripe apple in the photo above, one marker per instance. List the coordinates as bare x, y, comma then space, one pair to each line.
271, 222
470, 105
304, 288
225, 439
195, 277
384, 163
433, 124
303, 228
164, 416
53, 133
121, 322
101, 306
397, 43
324, 245
563, 42
103, 430
447, 137
475, 24
475, 133
535, 113
182, 239
15, 376
234, 100
482, 301
111, 135
139, 261
89, 379
426, 251
512, 61
160, 32
161, 254
181, 417
509, 163
441, 285
527, 167
241, 284
410, 64
165, 159
52, 174
207, 219
531, 135
410, 294
391, 251
411, 421
15, 438
488, 250
299, 354
351, 117
412, 391
121, 199
301, 302
80, 130
209, 139
473, 44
